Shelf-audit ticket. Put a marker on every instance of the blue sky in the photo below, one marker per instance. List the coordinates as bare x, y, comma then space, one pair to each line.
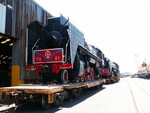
120, 28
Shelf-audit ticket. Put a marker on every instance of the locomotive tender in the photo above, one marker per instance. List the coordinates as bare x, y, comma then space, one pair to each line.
58, 51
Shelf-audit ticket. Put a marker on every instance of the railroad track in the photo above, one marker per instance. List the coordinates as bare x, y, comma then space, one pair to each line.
142, 89
134, 101
137, 93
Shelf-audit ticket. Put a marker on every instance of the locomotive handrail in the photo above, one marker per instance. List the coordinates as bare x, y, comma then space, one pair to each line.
66, 52
35, 45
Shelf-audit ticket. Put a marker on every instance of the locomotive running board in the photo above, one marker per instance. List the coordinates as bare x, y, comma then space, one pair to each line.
89, 53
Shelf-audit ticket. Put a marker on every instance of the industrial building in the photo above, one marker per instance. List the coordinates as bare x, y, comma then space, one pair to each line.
15, 16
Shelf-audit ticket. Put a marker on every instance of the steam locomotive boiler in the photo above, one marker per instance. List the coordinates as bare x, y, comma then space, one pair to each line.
59, 51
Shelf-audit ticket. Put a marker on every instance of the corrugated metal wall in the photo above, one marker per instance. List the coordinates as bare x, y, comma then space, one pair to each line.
19, 13
2, 18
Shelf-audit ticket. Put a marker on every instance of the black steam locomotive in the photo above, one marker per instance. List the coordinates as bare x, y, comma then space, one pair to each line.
58, 51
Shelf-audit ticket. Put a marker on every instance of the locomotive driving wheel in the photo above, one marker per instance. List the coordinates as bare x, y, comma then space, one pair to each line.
64, 76
92, 74
78, 79
82, 78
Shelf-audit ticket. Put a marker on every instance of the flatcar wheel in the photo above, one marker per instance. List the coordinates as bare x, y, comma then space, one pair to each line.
45, 104
64, 76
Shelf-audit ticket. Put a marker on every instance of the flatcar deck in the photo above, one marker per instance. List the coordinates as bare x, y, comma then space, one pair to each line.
47, 89
55, 93
34, 89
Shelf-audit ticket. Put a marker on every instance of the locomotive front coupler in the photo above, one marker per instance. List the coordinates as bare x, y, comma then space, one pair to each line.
46, 68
